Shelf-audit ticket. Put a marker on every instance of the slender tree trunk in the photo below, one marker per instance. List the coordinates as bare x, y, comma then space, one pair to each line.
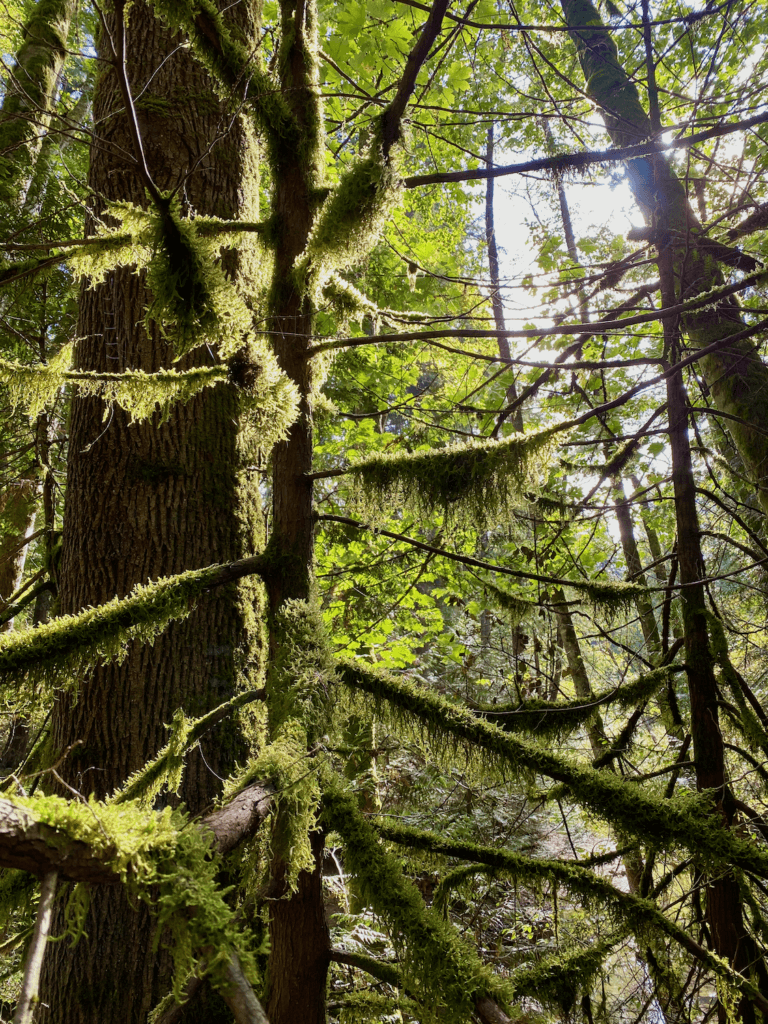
145, 501
30, 94
299, 938
735, 374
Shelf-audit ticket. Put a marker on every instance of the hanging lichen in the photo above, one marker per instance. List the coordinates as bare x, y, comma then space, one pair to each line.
482, 478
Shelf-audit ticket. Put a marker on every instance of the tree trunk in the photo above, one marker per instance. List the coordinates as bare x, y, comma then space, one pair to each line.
736, 376
145, 501
299, 937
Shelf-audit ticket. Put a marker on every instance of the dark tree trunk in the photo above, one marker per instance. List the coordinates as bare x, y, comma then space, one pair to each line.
299, 937
145, 501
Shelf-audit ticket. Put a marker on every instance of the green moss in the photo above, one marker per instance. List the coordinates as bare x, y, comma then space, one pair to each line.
686, 820
35, 386
165, 771
60, 651
484, 478
164, 862
559, 718
587, 887
444, 973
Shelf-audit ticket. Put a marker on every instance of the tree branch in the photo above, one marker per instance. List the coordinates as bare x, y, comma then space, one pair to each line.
40, 849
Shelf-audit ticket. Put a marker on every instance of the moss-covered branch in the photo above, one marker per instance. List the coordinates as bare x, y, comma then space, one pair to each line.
446, 974
481, 477
685, 820
235, 71
60, 651
559, 718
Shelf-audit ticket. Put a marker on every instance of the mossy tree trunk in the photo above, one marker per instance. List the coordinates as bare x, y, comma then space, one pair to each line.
728, 934
30, 94
145, 501
735, 374
299, 937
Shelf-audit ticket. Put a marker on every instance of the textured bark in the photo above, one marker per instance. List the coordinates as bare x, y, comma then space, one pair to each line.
299, 936
145, 501
736, 376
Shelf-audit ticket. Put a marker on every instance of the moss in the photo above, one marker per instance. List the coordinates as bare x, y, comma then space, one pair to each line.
686, 820
484, 478
165, 771
164, 862
350, 221
60, 651
31, 90
443, 972
35, 386
559, 718
589, 888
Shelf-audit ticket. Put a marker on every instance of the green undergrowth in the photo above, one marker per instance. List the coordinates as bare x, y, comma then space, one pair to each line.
62, 650
444, 972
482, 478
686, 820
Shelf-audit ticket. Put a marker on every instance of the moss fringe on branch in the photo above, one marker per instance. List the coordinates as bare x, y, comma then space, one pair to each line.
59, 651
445, 974
559, 718
588, 888
686, 820
167, 864
165, 771
481, 477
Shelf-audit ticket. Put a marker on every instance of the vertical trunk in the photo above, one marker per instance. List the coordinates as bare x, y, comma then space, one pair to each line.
145, 501
18, 509
497, 304
30, 94
299, 937
735, 374
729, 936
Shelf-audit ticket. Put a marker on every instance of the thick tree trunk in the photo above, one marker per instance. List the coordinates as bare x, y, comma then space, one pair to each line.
145, 501
735, 374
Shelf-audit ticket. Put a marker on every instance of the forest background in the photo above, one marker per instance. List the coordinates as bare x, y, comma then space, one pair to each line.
383, 617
